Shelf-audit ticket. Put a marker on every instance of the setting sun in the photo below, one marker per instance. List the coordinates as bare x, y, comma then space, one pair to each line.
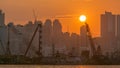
82, 18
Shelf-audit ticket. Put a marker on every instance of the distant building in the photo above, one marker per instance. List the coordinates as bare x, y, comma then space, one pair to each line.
57, 27
118, 31
83, 36
108, 21
118, 26
3, 32
2, 18
47, 38
108, 25
57, 35
74, 43
66, 41
57, 30
3, 39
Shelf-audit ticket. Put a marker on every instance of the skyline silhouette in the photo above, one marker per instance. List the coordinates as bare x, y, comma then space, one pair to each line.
53, 34
37, 39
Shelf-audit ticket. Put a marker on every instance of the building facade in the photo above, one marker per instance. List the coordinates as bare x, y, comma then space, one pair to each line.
108, 31
2, 18
118, 26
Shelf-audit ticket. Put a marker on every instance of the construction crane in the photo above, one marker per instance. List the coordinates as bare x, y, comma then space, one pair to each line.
95, 52
92, 45
39, 53
39, 29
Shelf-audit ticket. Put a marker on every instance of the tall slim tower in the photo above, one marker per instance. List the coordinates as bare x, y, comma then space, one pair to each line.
2, 18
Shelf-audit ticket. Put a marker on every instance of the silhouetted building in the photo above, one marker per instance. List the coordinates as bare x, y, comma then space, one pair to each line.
108, 31
57, 35
118, 26
107, 25
66, 41
83, 36
118, 32
74, 43
57, 27
84, 42
2, 32
47, 37
57, 30
2, 18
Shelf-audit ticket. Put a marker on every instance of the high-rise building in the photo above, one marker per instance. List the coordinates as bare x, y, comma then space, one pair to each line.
47, 38
2, 18
83, 36
108, 21
118, 26
118, 31
57, 30
57, 27
3, 32
57, 35
107, 25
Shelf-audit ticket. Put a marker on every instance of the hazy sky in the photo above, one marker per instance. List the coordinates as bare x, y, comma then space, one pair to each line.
21, 11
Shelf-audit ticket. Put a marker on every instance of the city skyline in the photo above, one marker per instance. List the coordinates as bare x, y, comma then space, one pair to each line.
22, 12
60, 32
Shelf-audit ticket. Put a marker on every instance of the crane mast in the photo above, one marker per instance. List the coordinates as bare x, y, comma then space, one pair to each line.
92, 45
38, 28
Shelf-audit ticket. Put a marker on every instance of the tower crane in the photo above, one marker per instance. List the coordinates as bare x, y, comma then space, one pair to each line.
29, 45
95, 52
92, 45
39, 29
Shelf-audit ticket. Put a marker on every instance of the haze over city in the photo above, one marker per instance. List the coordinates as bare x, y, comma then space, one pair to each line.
67, 11
60, 32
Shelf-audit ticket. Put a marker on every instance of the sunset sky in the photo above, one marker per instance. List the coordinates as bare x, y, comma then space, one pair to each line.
21, 11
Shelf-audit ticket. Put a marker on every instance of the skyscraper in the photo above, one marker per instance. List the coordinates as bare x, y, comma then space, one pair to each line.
107, 25
57, 29
118, 26
2, 18
3, 32
83, 36
47, 38
108, 21
57, 35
